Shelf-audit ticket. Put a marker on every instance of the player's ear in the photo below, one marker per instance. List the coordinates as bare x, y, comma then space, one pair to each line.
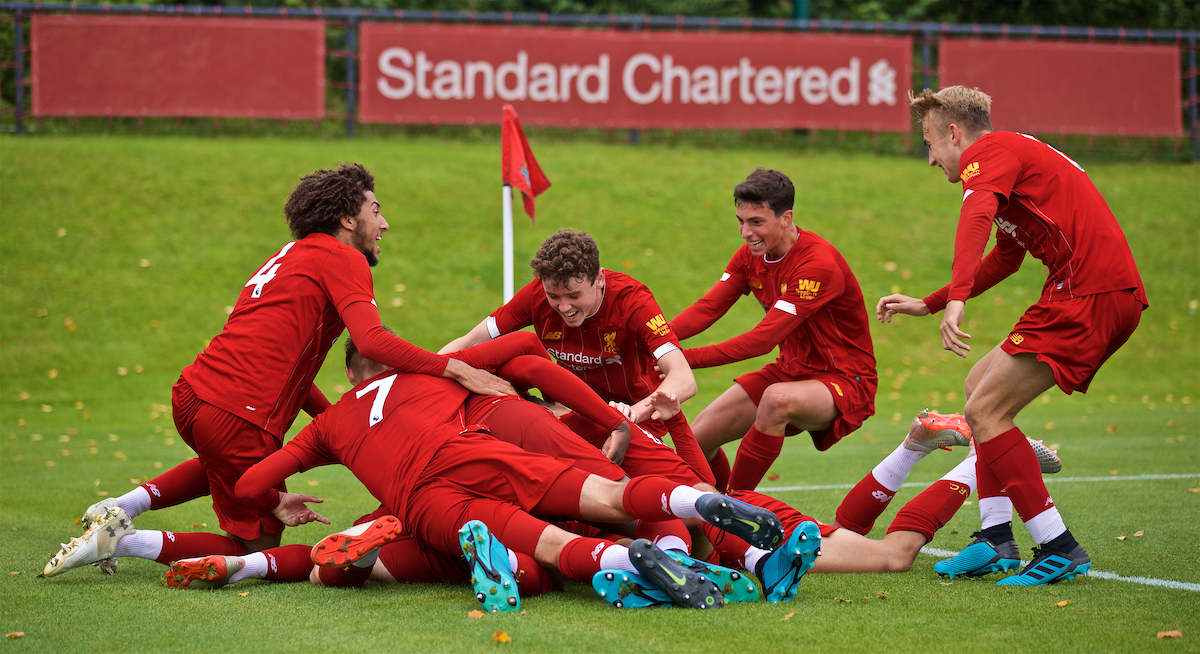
787, 217
351, 376
348, 222
600, 278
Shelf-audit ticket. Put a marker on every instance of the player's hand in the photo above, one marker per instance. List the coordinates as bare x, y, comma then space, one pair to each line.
625, 410
293, 511
952, 336
477, 381
890, 305
661, 375
617, 443
659, 405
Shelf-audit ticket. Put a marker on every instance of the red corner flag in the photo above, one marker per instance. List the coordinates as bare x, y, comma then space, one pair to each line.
518, 167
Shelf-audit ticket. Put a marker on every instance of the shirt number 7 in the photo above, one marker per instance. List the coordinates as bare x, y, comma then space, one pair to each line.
384, 386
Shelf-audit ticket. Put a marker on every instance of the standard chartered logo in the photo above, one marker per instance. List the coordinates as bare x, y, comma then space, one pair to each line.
881, 84
575, 357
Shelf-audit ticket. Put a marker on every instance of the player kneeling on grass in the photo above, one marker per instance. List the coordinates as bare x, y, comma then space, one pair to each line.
843, 547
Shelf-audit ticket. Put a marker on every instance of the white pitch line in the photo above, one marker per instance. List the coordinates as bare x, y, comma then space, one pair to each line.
1048, 480
1145, 581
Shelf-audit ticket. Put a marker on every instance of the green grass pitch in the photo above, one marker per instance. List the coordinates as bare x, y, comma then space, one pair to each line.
120, 257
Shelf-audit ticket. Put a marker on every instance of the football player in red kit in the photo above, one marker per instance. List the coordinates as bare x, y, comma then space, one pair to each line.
824, 379
1043, 203
607, 329
235, 403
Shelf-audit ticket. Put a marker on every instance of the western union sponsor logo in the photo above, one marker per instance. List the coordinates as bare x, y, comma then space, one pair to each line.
972, 170
658, 325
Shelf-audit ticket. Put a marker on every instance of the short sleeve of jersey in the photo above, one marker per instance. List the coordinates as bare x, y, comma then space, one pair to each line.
990, 167
810, 286
648, 322
346, 278
518, 312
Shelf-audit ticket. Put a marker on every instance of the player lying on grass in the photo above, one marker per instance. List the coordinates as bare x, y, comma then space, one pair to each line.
607, 329
439, 477
824, 379
399, 559
843, 547
1043, 203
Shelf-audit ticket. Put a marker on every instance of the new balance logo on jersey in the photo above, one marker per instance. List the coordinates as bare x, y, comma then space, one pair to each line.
552, 336
807, 289
154, 489
755, 284
883, 497
972, 170
838, 389
610, 342
659, 325
1016, 338
170, 536
614, 360
596, 552
271, 560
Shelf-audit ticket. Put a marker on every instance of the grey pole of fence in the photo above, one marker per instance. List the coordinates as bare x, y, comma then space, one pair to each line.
1193, 98
19, 71
351, 75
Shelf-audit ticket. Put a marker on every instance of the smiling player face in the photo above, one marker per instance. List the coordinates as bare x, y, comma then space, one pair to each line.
576, 300
765, 233
369, 226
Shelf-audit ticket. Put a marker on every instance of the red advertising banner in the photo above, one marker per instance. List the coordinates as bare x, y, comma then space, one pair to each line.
608, 78
177, 66
1070, 87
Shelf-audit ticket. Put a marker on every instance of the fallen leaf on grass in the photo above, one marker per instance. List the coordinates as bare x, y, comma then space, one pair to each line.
1194, 490
501, 637
1162, 634
842, 600
773, 477
1122, 537
475, 615
199, 525
881, 595
15, 572
21, 634
1062, 603
1114, 472
1140, 532
243, 594
788, 616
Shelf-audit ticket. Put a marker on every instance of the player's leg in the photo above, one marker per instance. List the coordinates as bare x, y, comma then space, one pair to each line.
804, 405
871, 496
1009, 383
726, 419
289, 563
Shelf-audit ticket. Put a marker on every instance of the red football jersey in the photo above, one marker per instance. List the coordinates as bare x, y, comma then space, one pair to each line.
385, 430
1047, 206
613, 351
815, 312
261, 366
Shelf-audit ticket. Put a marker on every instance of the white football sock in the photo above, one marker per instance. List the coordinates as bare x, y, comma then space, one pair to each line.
141, 544
964, 473
995, 511
682, 502
1046, 526
616, 557
255, 568
135, 502
672, 542
894, 468
753, 556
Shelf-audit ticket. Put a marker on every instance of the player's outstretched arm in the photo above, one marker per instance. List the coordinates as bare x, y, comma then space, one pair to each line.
477, 335
477, 381
890, 305
293, 510
952, 336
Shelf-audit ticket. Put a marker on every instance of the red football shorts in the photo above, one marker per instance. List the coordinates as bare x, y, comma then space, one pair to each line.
227, 446
477, 477
853, 397
1076, 336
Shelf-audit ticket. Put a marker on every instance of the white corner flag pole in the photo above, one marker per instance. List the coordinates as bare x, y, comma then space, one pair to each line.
508, 243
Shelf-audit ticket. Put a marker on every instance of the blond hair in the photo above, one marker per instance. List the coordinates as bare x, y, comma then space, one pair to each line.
970, 109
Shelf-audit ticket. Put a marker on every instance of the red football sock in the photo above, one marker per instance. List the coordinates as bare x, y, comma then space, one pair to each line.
184, 482
986, 484
720, 468
559, 385
687, 448
532, 578
1012, 460
580, 558
289, 562
754, 457
347, 577
189, 545
931, 509
863, 505
646, 498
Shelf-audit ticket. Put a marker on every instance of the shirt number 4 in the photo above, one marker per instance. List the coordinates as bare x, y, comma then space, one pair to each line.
267, 272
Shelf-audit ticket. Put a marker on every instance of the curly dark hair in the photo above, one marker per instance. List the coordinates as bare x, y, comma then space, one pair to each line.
766, 187
566, 255
323, 198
